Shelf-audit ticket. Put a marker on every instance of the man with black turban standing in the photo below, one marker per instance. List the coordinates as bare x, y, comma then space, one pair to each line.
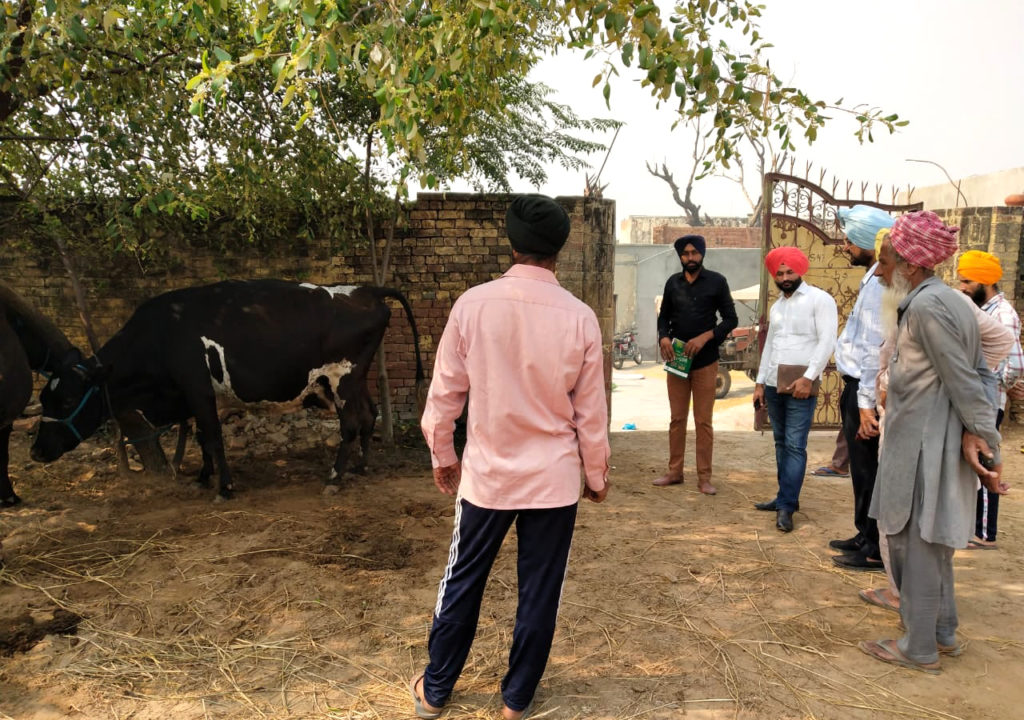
529, 357
692, 303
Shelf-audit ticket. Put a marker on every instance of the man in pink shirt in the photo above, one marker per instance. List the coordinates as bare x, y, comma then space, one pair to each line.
528, 355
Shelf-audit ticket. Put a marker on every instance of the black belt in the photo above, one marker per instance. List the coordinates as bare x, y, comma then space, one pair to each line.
850, 379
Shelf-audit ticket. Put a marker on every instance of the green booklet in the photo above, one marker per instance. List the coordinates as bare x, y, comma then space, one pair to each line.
680, 364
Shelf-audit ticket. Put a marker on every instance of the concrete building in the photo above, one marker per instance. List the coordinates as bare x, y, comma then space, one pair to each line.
640, 275
989, 190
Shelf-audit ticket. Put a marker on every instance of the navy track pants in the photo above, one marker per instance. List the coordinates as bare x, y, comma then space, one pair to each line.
545, 537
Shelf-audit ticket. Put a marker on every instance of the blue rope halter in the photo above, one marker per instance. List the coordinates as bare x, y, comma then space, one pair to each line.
69, 421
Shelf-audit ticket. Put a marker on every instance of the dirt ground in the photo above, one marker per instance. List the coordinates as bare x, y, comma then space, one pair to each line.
286, 603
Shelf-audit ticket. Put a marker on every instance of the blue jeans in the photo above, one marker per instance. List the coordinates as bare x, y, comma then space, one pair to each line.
791, 422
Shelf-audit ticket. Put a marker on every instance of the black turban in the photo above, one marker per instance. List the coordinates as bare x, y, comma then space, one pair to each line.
536, 225
696, 240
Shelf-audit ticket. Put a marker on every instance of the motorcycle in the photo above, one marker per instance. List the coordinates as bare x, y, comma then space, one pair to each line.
624, 346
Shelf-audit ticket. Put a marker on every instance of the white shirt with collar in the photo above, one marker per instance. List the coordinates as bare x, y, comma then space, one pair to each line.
860, 343
801, 331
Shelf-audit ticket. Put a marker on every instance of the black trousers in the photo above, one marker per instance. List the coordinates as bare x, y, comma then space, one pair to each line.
986, 517
863, 467
545, 537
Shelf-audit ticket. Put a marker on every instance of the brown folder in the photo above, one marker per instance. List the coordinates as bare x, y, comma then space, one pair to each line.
789, 374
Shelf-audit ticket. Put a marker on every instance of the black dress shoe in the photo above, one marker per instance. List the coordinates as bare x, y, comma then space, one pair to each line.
852, 545
784, 520
771, 506
858, 561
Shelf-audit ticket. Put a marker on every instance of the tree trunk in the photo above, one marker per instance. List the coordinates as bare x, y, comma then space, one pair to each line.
149, 449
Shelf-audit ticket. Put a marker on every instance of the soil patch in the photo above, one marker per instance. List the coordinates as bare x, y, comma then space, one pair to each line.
287, 603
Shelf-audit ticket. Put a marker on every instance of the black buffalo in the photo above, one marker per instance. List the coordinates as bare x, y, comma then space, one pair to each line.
28, 341
272, 342
15, 390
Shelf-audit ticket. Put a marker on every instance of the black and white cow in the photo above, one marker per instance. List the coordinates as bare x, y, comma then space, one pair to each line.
28, 341
272, 342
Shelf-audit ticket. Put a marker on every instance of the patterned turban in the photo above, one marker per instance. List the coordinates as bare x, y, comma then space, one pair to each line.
792, 257
922, 239
980, 267
861, 224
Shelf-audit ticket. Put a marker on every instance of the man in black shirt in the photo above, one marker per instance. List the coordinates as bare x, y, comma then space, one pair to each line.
693, 301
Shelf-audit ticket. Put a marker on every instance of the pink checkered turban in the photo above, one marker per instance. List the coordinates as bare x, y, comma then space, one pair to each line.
922, 239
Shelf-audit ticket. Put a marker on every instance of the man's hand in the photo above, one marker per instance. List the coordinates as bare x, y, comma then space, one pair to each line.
665, 346
758, 397
868, 424
447, 478
800, 389
991, 480
695, 345
596, 495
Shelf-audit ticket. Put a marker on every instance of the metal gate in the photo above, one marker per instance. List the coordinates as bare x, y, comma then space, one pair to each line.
801, 213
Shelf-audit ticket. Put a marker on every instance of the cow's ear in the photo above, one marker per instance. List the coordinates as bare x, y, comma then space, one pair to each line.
72, 358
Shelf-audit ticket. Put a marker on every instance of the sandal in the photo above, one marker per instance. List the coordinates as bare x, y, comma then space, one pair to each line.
526, 711
877, 597
421, 710
952, 650
978, 544
888, 651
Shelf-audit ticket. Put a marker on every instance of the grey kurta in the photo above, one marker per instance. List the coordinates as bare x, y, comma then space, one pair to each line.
935, 392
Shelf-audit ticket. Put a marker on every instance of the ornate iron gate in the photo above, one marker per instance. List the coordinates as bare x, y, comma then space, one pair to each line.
801, 213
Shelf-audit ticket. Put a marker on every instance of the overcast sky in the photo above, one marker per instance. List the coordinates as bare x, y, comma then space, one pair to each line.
954, 69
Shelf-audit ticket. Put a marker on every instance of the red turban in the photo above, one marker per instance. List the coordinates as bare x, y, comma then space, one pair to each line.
791, 257
922, 239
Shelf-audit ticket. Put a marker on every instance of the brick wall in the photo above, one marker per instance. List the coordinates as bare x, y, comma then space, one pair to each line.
452, 242
1000, 231
716, 237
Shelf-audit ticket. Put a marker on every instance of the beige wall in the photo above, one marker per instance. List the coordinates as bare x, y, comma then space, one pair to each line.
988, 190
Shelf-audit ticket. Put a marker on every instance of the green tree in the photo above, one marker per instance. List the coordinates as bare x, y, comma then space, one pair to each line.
436, 65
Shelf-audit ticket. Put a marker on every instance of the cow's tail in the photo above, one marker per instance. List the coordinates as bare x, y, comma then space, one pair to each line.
383, 292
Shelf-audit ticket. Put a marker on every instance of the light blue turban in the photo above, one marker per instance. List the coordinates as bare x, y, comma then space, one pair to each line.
861, 224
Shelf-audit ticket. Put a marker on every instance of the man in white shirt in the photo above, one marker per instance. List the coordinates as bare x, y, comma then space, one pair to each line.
801, 336
978, 274
857, 360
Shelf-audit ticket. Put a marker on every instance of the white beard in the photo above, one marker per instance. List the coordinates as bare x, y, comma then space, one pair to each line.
892, 297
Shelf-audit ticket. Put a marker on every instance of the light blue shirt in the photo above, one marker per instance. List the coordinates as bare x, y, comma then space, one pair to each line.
859, 344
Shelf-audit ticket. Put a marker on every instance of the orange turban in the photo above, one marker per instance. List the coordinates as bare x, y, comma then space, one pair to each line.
791, 257
980, 267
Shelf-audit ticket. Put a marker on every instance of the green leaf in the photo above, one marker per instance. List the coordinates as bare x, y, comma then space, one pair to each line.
222, 54
331, 56
75, 29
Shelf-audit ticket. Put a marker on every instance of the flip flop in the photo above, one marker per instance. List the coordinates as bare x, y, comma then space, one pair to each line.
875, 597
418, 702
527, 711
888, 652
952, 650
829, 471
976, 545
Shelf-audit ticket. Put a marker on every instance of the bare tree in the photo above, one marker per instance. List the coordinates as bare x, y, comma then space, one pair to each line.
686, 200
